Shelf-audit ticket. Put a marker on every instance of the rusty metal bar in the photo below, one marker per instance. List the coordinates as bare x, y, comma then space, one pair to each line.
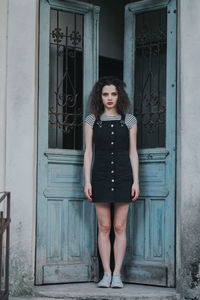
5, 229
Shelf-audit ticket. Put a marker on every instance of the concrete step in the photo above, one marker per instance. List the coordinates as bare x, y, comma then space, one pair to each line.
31, 298
90, 291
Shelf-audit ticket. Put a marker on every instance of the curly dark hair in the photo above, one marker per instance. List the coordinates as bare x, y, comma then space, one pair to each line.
95, 99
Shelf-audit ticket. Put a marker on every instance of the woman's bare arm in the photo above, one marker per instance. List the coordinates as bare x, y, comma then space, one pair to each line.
88, 160
133, 154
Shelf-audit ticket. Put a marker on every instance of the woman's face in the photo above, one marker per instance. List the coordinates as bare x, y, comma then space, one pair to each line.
109, 96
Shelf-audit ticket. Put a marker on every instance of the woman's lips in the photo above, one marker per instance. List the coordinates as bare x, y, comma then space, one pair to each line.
109, 103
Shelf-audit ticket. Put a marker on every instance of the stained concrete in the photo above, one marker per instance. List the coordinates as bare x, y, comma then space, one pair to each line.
30, 298
91, 291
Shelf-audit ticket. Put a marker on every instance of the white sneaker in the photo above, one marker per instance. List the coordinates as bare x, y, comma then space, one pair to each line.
116, 281
105, 281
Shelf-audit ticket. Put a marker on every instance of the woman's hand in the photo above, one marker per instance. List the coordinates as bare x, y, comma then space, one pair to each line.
88, 191
135, 191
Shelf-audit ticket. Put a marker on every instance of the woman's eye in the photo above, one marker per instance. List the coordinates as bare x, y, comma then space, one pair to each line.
106, 94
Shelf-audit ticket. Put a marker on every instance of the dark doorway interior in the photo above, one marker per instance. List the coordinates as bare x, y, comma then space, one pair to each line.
110, 66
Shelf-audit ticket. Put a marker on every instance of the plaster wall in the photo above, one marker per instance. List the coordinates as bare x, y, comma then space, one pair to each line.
188, 142
21, 145
3, 64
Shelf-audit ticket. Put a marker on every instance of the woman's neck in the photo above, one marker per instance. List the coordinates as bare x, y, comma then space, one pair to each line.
110, 114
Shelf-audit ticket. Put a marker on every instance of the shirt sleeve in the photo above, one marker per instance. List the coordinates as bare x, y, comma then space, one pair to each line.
90, 119
130, 120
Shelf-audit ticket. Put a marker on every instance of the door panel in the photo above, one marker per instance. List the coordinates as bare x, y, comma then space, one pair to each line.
150, 74
66, 221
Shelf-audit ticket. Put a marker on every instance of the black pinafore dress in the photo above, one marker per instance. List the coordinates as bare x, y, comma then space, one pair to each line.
112, 176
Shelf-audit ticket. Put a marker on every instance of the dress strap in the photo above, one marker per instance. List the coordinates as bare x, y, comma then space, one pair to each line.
122, 121
98, 121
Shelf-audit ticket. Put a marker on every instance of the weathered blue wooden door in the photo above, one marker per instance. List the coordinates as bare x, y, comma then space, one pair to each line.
150, 74
68, 67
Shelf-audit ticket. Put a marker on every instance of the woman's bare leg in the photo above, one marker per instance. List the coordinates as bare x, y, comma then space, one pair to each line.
104, 225
120, 218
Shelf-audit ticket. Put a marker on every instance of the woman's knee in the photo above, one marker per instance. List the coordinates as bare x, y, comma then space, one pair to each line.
104, 227
119, 228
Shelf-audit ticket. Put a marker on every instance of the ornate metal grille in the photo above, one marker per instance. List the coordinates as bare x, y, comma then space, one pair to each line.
66, 80
150, 78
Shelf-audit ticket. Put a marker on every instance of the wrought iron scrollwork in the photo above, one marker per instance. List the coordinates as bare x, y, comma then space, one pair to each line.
65, 104
75, 37
150, 93
66, 125
62, 101
57, 35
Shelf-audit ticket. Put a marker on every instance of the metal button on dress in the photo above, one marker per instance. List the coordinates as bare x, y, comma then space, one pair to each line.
112, 189
112, 180
112, 132
112, 125
112, 143
111, 153
112, 171
112, 162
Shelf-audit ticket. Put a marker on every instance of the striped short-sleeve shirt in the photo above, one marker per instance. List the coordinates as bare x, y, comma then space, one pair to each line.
130, 119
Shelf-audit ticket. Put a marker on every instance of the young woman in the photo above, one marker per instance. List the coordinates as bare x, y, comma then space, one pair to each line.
115, 169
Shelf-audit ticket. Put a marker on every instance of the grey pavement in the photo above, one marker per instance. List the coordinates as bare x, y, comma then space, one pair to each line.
90, 291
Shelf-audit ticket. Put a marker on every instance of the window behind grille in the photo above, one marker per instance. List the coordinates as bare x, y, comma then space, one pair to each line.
150, 78
66, 80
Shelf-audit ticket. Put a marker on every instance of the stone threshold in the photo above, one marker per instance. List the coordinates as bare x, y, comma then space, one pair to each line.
90, 291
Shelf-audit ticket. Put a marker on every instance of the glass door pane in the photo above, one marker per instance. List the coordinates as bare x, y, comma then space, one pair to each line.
66, 80
150, 77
